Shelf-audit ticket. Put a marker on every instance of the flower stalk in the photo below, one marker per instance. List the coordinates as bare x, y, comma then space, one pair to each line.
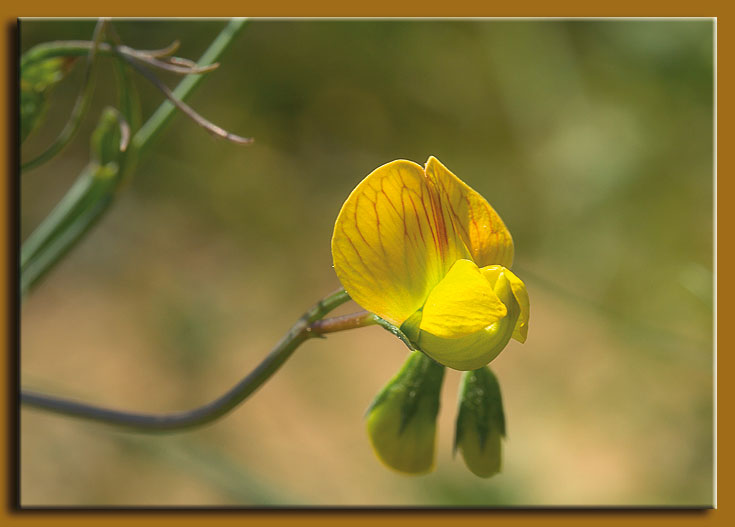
345, 322
299, 333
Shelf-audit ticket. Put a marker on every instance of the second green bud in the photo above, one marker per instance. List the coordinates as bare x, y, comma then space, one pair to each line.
480, 422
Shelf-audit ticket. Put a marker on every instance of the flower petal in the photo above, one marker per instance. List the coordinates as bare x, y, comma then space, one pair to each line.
470, 217
461, 304
386, 243
491, 272
477, 349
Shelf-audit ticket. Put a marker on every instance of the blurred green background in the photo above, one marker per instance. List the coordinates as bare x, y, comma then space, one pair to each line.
592, 139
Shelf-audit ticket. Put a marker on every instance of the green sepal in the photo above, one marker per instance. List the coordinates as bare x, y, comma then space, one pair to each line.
396, 331
480, 423
410, 327
401, 421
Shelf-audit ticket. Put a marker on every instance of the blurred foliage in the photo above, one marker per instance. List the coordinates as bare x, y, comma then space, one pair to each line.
592, 139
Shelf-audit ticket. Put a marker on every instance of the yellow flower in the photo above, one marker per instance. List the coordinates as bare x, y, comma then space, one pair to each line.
425, 252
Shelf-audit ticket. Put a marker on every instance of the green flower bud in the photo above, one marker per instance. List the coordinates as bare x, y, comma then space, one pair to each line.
480, 422
36, 81
401, 421
105, 140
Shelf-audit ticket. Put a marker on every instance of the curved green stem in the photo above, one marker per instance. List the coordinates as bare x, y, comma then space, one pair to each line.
80, 48
127, 97
301, 331
80, 107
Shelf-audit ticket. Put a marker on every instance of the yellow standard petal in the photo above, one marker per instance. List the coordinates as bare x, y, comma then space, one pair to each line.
470, 217
462, 303
387, 245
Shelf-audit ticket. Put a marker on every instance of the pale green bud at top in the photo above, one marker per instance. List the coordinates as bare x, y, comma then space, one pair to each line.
401, 421
480, 422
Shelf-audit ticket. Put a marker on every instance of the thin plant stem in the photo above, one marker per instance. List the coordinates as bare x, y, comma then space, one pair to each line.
78, 48
145, 137
173, 65
186, 109
163, 52
299, 333
345, 322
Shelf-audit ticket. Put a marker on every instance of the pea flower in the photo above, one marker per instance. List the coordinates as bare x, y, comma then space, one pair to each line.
428, 254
